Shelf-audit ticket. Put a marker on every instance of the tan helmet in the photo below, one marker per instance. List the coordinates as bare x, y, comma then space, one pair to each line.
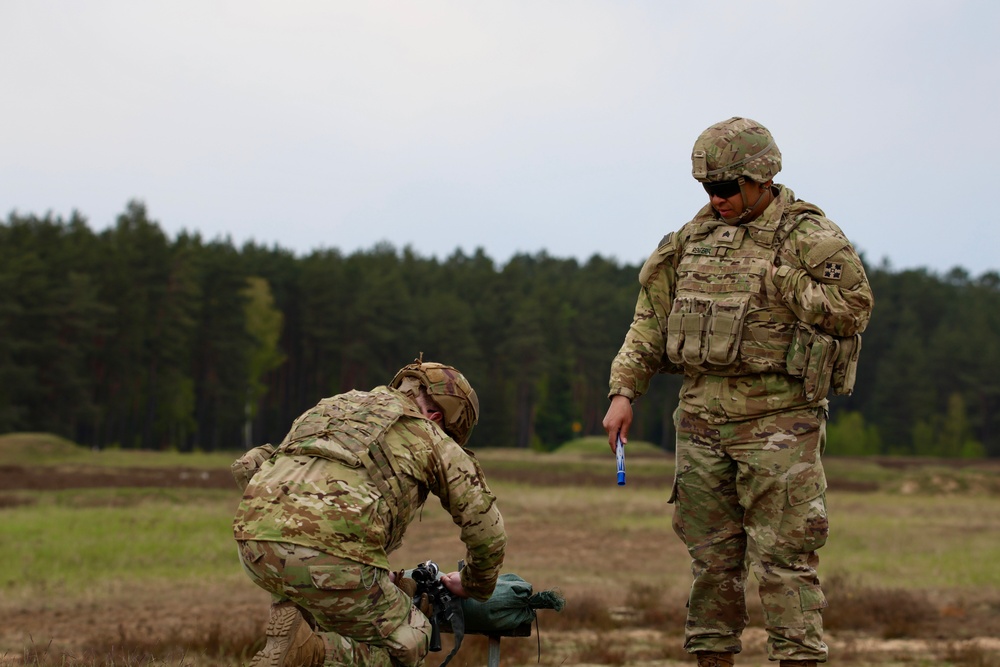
450, 390
734, 148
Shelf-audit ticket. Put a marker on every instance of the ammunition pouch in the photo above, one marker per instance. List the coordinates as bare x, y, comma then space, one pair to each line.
701, 331
686, 327
812, 356
845, 368
725, 330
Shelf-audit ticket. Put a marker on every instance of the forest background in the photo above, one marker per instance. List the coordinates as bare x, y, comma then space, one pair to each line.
127, 338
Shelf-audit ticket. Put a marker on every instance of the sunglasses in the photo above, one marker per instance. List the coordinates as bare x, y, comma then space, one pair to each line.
724, 189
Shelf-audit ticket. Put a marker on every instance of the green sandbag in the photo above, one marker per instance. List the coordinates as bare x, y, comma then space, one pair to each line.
511, 606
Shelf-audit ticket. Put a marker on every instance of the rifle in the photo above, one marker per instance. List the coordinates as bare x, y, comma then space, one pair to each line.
445, 607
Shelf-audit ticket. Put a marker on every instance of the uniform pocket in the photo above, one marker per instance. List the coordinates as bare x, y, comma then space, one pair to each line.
249, 554
337, 577
673, 492
805, 526
355, 597
811, 598
807, 484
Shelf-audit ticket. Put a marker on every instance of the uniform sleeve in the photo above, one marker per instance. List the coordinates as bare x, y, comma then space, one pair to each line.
824, 283
643, 354
460, 485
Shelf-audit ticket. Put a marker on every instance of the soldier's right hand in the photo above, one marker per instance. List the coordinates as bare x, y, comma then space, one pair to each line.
425, 606
618, 420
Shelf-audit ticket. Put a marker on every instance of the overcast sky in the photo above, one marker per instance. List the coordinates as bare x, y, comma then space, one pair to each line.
514, 126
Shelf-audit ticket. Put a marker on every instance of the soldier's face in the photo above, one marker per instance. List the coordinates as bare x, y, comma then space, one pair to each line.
732, 206
429, 410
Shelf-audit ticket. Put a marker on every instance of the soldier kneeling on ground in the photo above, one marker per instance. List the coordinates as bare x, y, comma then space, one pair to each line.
322, 511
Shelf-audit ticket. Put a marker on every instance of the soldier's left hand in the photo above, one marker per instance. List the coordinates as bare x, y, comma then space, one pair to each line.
453, 582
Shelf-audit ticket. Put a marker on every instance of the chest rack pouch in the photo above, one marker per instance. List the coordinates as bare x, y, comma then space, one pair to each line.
811, 356
705, 330
725, 330
686, 328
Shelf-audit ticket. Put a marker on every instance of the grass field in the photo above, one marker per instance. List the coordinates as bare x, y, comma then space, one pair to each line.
127, 558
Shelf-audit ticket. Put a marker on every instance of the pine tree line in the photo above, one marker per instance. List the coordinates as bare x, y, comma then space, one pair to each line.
128, 338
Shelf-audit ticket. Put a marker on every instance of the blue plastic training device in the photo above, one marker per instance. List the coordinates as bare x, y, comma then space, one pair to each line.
620, 459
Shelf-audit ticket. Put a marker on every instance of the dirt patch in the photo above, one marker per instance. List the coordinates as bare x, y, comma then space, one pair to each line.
45, 478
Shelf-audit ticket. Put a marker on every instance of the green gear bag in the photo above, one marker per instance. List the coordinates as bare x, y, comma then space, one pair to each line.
512, 605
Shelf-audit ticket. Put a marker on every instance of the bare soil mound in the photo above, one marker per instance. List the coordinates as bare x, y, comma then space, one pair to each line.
54, 478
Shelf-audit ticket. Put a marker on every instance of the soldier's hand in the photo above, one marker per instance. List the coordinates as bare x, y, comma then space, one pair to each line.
453, 582
618, 420
425, 606
405, 584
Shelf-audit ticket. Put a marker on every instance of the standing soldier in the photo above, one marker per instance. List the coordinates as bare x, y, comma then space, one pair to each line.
759, 301
322, 513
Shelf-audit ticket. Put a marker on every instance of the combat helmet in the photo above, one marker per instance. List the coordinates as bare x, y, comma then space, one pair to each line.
449, 389
734, 148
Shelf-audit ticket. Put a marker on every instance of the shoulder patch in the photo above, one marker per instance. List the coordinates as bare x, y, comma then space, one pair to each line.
664, 253
832, 261
833, 270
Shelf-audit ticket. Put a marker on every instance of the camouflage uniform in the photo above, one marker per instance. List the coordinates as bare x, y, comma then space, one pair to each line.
319, 518
759, 350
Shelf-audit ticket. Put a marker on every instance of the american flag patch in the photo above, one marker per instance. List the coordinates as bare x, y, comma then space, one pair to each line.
833, 270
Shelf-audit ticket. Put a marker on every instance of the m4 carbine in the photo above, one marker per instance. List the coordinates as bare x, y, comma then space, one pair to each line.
445, 606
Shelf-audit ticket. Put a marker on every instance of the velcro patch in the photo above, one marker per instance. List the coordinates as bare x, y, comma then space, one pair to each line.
662, 255
729, 236
825, 249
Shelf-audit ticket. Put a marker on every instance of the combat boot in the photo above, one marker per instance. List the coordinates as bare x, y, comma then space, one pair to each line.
713, 659
290, 640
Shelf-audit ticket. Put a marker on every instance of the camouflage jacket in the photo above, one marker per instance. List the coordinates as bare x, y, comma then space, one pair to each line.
760, 318
355, 470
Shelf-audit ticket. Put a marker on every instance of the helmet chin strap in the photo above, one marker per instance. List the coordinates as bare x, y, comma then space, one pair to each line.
748, 209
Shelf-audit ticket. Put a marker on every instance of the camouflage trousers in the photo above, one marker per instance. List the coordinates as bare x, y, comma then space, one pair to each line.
753, 493
363, 617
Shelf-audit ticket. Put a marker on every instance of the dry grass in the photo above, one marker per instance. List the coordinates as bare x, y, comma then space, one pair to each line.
217, 645
610, 550
647, 630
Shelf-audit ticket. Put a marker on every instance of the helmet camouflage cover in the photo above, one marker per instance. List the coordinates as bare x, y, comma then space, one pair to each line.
734, 148
450, 390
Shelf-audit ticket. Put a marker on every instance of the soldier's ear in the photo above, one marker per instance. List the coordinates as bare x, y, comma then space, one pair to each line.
431, 412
